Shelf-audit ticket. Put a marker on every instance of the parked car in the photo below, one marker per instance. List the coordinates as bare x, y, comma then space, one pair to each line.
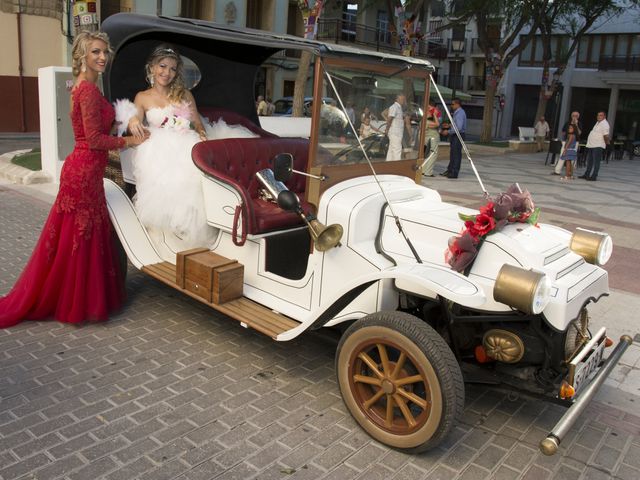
329, 237
284, 106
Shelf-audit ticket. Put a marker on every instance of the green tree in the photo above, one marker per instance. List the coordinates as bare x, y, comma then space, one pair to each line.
569, 21
500, 24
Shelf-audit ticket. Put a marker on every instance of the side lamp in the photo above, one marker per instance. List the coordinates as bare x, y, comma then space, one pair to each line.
525, 290
594, 247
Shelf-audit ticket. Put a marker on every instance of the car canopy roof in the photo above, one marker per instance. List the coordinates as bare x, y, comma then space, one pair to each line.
228, 57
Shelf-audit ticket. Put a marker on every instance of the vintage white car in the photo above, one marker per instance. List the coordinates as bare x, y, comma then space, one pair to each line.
355, 243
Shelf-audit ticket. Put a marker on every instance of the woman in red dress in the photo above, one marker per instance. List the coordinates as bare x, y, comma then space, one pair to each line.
73, 274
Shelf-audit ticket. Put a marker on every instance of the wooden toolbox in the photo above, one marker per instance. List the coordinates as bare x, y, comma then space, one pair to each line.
211, 276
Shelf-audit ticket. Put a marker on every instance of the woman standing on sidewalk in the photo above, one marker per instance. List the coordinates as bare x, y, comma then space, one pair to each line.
569, 152
73, 274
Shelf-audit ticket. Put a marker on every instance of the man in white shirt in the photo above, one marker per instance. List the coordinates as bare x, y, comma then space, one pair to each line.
542, 132
596, 144
395, 128
262, 108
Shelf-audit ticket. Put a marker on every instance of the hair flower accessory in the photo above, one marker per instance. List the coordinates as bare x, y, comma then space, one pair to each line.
514, 205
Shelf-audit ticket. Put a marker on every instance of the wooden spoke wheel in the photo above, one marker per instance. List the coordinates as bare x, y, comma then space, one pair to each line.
399, 380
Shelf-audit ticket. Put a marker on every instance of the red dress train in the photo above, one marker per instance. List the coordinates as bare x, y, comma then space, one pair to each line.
73, 274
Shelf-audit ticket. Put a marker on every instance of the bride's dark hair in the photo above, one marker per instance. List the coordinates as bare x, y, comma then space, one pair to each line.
177, 89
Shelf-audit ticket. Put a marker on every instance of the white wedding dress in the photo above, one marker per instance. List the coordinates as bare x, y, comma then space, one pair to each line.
168, 184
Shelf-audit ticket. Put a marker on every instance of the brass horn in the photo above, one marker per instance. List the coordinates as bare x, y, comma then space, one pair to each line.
324, 238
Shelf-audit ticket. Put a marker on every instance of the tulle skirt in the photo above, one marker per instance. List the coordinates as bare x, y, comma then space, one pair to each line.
168, 185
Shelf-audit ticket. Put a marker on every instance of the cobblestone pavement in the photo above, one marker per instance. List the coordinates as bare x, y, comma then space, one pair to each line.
168, 389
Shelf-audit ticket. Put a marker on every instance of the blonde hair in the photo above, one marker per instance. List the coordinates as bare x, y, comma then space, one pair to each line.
177, 89
80, 49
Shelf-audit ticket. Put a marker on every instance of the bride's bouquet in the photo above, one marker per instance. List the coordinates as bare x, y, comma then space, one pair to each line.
179, 120
176, 122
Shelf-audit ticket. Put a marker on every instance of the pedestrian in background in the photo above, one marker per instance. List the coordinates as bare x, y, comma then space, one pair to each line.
541, 132
575, 121
271, 107
74, 274
596, 144
569, 152
263, 107
351, 113
455, 145
395, 127
433, 138
577, 129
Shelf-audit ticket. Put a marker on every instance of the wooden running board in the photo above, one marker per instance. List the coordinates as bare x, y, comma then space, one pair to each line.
247, 312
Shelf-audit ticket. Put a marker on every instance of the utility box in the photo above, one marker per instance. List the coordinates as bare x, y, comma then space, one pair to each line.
56, 133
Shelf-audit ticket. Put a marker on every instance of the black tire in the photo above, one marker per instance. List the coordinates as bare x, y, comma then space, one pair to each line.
413, 409
636, 150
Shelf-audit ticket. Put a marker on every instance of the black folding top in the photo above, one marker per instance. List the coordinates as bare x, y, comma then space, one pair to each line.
228, 57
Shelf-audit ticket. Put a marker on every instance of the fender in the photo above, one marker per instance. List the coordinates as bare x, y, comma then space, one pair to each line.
133, 236
427, 281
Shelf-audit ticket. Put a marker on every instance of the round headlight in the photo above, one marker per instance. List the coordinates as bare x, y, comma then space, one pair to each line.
594, 247
525, 290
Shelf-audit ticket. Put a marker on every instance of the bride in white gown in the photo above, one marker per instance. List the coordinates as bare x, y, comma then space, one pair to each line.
168, 184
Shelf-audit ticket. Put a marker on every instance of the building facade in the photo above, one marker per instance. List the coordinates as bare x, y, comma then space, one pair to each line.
602, 75
34, 39
31, 38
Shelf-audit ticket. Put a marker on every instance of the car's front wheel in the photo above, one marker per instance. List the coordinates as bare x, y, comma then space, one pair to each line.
399, 380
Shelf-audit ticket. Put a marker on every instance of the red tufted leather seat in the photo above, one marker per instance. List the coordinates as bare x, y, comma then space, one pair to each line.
235, 161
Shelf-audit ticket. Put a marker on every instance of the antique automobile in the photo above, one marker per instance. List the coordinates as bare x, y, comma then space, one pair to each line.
324, 232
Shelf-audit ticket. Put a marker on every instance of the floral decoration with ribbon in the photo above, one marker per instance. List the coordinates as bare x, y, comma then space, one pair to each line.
512, 206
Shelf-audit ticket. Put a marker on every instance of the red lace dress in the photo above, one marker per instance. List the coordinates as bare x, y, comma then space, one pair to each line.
73, 274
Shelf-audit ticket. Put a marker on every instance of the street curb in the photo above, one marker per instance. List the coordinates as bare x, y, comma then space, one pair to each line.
18, 174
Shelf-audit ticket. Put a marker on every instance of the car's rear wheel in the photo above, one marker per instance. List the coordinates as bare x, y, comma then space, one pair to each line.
636, 150
399, 380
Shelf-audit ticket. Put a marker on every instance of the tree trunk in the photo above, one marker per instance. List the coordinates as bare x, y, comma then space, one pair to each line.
542, 104
487, 117
301, 84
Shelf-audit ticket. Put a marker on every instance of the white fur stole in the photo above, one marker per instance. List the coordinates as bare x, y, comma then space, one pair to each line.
125, 111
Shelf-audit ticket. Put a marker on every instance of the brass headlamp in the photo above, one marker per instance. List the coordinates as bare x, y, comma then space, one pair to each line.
526, 290
594, 247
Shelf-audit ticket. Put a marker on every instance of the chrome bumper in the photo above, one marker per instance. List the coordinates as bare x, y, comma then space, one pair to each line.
549, 446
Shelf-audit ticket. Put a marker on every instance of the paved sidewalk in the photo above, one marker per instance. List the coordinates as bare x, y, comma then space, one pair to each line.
170, 389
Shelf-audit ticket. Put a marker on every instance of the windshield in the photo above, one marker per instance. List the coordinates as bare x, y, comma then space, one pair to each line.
385, 109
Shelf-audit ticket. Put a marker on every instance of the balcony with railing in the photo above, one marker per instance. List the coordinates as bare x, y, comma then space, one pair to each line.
624, 63
337, 30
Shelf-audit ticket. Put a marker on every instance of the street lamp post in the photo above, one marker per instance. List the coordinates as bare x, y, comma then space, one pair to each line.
457, 47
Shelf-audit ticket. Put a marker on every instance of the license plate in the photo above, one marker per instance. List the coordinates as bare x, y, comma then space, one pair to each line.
587, 361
